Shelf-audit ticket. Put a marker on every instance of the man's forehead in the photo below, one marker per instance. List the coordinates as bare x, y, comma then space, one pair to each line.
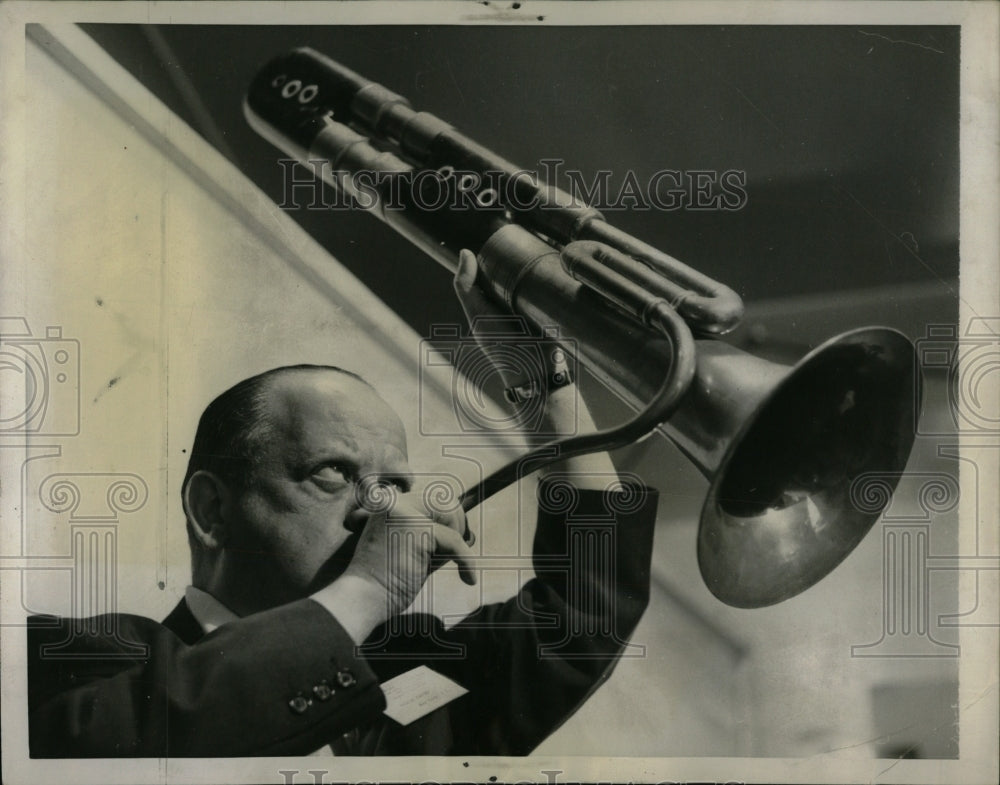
311, 404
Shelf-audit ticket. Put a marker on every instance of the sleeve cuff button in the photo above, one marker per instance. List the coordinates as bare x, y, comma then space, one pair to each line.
345, 678
298, 704
322, 691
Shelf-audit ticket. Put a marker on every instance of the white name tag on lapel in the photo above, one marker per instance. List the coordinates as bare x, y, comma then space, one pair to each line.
415, 693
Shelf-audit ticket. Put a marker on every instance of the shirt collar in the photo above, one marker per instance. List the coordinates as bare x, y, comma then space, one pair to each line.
207, 611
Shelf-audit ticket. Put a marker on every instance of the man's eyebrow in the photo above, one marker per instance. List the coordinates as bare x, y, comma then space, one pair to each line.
341, 450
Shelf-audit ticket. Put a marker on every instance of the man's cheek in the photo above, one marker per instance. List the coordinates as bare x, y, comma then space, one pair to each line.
311, 545
330, 562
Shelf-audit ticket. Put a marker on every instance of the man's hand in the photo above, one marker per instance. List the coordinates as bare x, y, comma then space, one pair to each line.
400, 545
565, 413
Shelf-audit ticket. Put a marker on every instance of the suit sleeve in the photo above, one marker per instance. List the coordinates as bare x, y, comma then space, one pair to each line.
281, 682
540, 655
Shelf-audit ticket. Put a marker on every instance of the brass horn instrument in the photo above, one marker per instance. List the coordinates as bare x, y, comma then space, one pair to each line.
780, 446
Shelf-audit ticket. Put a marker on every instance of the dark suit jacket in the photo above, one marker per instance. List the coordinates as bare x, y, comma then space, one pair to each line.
289, 680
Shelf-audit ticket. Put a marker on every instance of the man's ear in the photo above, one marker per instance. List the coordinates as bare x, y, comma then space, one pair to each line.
207, 504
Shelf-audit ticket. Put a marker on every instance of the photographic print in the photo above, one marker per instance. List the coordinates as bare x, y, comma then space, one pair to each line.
477, 391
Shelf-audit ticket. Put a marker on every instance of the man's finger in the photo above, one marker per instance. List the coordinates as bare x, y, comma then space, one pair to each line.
405, 510
454, 519
457, 519
465, 277
449, 544
474, 303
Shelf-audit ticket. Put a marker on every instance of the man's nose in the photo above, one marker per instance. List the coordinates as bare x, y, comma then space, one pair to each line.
356, 519
374, 495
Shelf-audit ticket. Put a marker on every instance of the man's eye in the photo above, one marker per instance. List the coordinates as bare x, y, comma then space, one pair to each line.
332, 476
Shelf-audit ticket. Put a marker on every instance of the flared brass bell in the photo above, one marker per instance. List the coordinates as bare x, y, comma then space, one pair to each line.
782, 448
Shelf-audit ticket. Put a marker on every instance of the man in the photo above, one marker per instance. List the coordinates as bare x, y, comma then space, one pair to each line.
305, 551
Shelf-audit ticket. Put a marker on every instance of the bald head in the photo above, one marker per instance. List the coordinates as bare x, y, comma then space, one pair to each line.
304, 410
236, 425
